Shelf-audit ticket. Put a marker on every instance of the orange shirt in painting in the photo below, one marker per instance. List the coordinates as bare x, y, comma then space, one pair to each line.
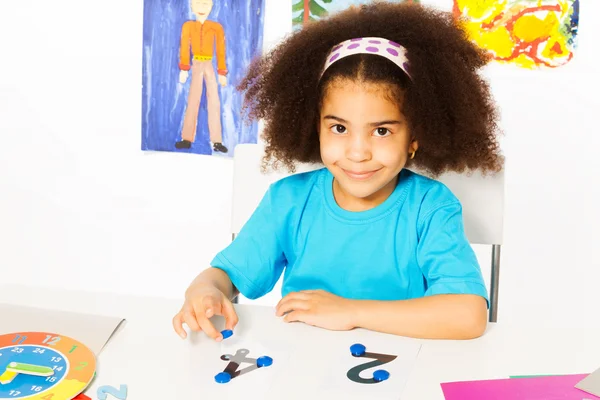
200, 38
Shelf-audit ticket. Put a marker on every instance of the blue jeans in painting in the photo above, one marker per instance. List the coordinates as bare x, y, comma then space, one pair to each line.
195, 53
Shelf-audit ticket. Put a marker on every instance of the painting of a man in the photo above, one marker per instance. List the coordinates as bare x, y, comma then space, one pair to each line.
194, 54
198, 39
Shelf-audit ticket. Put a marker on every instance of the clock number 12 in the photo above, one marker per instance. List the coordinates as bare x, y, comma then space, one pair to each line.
51, 340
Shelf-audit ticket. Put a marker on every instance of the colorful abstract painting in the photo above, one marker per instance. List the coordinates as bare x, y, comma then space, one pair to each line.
194, 54
530, 34
305, 11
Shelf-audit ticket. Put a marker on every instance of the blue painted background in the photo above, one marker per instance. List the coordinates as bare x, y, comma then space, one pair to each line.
164, 98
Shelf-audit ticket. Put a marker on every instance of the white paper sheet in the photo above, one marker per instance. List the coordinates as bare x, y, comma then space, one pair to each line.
92, 330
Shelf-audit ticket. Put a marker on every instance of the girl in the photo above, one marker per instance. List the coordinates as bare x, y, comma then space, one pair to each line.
363, 242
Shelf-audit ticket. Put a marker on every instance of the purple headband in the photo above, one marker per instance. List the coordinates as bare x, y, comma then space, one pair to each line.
369, 45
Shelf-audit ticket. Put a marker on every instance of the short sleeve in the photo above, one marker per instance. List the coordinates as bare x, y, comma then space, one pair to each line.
445, 256
254, 260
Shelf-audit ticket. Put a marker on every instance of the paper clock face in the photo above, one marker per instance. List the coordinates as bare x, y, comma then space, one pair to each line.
44, 366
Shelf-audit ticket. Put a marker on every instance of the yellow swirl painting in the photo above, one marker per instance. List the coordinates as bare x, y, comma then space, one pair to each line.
528, 33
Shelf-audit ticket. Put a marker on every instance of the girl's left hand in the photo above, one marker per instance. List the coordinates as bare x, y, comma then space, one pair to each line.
318, 308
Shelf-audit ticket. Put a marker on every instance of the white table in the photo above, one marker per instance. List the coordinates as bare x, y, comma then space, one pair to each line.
537, 347
155, 363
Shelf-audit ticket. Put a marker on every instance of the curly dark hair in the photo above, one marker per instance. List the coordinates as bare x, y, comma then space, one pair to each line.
449, 107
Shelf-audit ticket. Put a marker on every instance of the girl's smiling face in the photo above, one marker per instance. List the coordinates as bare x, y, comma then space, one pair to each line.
364, 142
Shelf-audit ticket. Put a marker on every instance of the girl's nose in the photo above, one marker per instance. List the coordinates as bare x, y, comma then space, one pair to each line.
359, 148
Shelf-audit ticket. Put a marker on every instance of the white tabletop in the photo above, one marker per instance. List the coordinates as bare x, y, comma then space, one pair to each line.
147, 355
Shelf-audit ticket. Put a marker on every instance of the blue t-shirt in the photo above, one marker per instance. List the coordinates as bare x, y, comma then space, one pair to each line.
411, 245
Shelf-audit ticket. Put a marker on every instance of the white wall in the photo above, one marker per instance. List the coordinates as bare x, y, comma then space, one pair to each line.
82, 206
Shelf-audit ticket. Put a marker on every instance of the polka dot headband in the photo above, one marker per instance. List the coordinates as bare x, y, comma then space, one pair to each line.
369, 45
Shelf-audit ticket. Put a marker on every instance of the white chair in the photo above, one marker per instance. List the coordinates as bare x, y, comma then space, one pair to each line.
482, 200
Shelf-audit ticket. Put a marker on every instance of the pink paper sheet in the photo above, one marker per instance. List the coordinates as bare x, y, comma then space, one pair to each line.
561, 387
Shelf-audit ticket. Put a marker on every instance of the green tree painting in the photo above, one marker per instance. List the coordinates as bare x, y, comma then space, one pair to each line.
304, 11
308, 10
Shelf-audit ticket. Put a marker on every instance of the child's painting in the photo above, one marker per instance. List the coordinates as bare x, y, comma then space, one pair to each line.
305, 11
530, 34
194, 54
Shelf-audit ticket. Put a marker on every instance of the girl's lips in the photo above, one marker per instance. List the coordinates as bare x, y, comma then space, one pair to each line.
360, 175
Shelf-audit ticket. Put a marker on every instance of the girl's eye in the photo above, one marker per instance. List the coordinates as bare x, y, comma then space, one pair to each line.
382, 132
338, 129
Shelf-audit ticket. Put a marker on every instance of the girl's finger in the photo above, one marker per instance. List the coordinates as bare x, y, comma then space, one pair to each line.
191, 320
294, 296
210, 307
178, 325
296, 316
209, 328
231, 318
292, 305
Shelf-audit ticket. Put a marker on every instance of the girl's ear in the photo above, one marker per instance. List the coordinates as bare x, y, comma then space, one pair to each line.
414, 146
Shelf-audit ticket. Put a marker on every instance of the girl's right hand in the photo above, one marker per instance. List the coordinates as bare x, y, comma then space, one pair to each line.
201, 303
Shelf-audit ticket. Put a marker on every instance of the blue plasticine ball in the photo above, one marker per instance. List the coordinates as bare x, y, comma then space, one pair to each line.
357, 349
227, 333
222, 377
380, 375
264, 361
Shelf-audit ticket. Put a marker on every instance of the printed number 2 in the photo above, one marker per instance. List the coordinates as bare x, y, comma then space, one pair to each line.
81, 366
379, 359
104, 391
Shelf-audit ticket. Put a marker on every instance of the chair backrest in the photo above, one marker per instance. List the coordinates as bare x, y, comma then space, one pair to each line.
482, 197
